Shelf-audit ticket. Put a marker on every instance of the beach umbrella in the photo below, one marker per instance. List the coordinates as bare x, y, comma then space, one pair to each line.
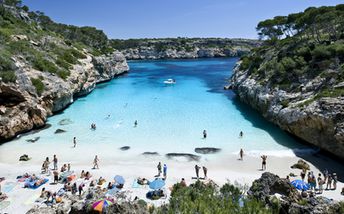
300, 185
157, 184
100, 205
119, 179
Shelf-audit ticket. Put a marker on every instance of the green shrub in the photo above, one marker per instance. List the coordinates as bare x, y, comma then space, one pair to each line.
8, 76
63, 74
321, 52
42, 64
63, 64
38, 84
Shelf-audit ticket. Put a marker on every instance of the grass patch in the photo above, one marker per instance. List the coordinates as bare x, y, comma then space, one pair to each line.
38, 84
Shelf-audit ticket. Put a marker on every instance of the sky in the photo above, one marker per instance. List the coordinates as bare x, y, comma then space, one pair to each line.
123, 19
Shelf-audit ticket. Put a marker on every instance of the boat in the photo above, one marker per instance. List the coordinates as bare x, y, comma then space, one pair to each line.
170, 81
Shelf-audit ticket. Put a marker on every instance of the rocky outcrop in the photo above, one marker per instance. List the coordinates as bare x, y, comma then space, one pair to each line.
189, 48
23, 109
317, 121
278, 192
207, 150
189, 157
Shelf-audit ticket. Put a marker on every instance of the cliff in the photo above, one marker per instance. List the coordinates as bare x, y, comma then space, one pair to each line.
42, 72
297, 82
183, 48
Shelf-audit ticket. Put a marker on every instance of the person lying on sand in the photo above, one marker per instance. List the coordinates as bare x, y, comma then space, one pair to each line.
142, 181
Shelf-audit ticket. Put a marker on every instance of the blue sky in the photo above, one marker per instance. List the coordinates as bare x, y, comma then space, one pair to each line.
171, 18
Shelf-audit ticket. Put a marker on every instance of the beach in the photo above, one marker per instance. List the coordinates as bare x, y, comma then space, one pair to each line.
229, 169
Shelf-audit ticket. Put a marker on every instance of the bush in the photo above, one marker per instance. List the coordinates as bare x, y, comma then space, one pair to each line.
63, 74
8, 76
38, 85
42, 64
321, 52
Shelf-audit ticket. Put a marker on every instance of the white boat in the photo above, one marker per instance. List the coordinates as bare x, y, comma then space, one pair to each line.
170, 81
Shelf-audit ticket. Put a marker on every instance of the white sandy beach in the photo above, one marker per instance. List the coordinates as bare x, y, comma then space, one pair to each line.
228, 169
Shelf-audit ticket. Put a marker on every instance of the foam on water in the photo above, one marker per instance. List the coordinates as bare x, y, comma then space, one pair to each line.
170, 118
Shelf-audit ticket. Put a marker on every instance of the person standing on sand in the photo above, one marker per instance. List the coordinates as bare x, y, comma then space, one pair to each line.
81, 188
329, 182
165, 171
320, 184
55, 162
204, 134
68, 168
74, 141
197, 170
241, 153
95, 162
303, 174
56, 176
335, 179
264, 157
205, 172
159, 168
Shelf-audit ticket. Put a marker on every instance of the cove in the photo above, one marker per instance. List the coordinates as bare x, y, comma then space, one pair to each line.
170, 118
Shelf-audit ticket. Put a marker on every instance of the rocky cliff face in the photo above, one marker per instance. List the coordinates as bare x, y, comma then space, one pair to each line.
22, 108
187, 48
317, 121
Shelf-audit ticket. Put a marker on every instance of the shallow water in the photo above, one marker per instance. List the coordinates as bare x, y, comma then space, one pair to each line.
170, 118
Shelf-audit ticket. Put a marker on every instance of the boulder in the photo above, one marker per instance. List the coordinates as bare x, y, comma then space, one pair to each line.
124, 148
24, 158
269, 184
190, 157
58, 131
301, 164
207, 150
64, 122
33, 140
150, 153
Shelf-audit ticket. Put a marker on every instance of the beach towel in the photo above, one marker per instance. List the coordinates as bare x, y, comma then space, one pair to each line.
135, 184
8, 187
112, 192
31, 184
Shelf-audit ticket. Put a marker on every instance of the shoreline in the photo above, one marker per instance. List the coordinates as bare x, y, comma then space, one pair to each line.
230, 169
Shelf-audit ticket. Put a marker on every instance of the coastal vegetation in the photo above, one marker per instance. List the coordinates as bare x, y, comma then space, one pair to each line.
299, 47
34, 39
209, 198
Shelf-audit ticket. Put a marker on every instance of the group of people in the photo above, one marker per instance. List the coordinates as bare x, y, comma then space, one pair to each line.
93, 126
205, 171
162, 169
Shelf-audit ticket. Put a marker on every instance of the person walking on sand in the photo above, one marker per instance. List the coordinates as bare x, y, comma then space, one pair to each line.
264, 157
74, 141
55, 162
197, 170
81, 188
165, 171
159, 168
241, 153
204, 134
205, 172
95, 162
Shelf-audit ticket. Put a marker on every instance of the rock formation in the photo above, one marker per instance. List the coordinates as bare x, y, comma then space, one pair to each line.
22, 109
317, 121
189, 48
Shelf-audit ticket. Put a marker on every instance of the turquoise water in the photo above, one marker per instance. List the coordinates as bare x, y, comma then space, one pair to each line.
170, 118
